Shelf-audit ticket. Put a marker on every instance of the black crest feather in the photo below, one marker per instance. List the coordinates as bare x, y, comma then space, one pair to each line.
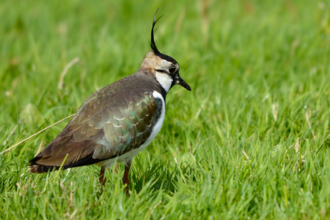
152, 43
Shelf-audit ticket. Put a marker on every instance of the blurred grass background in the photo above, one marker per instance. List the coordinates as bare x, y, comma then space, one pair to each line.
251, 141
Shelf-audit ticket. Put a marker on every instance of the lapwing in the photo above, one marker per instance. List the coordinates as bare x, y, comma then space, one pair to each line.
116, 122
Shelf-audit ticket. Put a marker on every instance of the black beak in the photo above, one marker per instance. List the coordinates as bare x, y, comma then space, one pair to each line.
181, 82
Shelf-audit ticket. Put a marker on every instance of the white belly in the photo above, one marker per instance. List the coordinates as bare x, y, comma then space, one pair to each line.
129, 155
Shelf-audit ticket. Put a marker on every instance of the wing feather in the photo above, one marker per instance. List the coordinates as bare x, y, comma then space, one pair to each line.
105, 126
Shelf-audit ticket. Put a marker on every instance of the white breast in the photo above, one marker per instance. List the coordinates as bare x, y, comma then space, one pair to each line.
155, 130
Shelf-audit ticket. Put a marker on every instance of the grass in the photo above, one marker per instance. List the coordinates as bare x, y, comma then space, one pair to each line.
251, 141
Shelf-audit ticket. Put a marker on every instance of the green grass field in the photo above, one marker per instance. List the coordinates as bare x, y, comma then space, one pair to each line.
251, 141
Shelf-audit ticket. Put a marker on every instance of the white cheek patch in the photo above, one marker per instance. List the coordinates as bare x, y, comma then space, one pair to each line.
164, 80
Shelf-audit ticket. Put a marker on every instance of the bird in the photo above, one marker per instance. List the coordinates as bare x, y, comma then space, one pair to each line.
116, 122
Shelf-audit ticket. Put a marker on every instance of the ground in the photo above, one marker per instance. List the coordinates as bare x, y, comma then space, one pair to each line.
251, 141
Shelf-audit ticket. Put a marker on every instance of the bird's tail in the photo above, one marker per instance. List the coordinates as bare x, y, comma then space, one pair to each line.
37, 168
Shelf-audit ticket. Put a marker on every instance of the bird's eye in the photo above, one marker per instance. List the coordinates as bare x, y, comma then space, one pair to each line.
172, 70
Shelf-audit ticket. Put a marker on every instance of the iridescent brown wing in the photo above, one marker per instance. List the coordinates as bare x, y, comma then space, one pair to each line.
105, 126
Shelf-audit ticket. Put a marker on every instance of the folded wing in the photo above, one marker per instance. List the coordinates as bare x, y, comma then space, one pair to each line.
104, 127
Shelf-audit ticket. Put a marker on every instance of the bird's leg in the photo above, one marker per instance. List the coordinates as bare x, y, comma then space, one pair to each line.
125, 177
102, 178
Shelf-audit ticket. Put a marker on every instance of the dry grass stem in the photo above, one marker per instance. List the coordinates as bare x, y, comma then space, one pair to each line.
15, 145
301, 159
275, 111
66, 68
247, 157
297, 145
39, 148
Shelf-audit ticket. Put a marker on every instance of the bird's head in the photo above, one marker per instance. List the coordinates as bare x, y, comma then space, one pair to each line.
163, 67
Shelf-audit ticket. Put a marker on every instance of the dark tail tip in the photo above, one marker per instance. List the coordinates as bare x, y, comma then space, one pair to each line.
36, 168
